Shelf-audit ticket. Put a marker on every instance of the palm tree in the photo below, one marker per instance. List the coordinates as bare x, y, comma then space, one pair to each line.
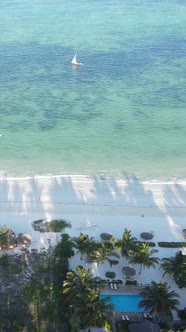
103, 252
80, 293
79, 282
127, 244
93, 311
144, 257
84, 244
4, 231
64, 247
175, 266
159, 299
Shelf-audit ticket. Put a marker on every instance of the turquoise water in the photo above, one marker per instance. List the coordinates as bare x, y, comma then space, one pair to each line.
125, 302
122, 112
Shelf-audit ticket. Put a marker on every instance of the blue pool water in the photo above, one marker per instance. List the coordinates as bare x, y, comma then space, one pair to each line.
124, 302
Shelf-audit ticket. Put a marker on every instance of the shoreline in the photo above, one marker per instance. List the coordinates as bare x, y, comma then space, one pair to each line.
102, 176
93, 191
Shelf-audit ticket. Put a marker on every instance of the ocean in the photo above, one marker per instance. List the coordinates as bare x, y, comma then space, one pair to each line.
123, 112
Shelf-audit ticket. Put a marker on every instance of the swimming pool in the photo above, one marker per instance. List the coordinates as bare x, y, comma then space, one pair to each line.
124, 302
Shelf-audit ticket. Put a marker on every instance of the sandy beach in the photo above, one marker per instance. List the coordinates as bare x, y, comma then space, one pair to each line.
98, 204
95, 204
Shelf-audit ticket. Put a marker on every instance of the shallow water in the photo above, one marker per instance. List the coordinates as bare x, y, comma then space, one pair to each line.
122, 112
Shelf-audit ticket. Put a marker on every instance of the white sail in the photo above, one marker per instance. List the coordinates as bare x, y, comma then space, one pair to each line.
75, 62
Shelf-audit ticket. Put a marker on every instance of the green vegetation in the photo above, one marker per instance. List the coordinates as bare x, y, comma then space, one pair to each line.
182, 314
159, 300
131, 282
118, 281
144, 257
122, 326
31, 290
110, 274
4, 261
4, 237
104, 252
136, 252
172, 244
82, 292
127, 244
84, 245
176, 267
39, 292
150, 243
55, 225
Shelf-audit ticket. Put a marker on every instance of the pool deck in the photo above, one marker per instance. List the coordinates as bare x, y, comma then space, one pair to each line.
126, 289
122, 289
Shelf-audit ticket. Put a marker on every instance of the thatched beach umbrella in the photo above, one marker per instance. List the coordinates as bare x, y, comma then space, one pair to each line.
24, 239
147, 235
11, 238
106, 236
128, 271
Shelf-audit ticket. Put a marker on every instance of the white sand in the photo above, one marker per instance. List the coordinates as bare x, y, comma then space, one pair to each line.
95, 205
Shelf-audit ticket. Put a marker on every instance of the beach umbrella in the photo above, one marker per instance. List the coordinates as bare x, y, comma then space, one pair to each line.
11, 238
24, 239
147, 235
106, 236
128, 271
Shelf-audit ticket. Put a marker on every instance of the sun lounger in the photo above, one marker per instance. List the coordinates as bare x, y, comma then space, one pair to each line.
111, 285
127, 317
123, 317
115, 286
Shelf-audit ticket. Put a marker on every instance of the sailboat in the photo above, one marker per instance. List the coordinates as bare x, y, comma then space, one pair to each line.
75, 62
